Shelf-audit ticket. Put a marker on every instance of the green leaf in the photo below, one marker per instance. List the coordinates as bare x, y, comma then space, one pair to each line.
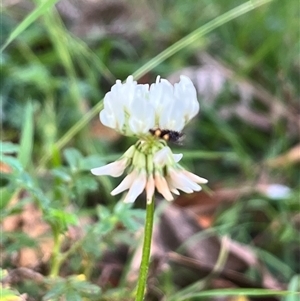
73, 157
86, 183
9, 295
86, 288
34, 74
15, 241
128, 216
130, 223
61, 174
294, 286
103, 212
72, 295
14, 209
6, 196
120, 207
237, 292
26, 142
61, 220
90, 162
106, 220
8, 147
12, 162
56, 291
37, 12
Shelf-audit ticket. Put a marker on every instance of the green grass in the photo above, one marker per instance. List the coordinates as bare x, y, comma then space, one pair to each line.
52, 87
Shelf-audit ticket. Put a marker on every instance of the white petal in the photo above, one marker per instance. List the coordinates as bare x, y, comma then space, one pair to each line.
180, 181
175, 191
160, 93
128, 92
125, 184
113, 112
108, 119
186, 93
130, 79
136, 188
179, 186
161, 97
177, 157
162, 156
150, 187
114, 169
162, 187
194, 177
116, 102
172, 117
142, 116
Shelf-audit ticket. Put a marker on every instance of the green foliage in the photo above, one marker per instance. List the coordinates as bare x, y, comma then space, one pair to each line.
40, 10
244, 292
294, 288
51, 89
72, 288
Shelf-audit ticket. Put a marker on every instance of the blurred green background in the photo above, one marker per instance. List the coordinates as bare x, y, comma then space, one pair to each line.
243, 58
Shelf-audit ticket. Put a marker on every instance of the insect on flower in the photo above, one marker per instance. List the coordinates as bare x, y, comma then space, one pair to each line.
168, 135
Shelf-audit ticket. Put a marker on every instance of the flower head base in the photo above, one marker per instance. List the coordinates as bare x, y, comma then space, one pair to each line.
156, 168
135, 110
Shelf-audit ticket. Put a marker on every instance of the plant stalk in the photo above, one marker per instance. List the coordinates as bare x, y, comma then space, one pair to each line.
56, 262
140, 292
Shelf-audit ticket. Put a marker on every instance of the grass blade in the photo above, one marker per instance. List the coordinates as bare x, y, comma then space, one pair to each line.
198, 33
26, 142
28, 20
294, 286
238, 292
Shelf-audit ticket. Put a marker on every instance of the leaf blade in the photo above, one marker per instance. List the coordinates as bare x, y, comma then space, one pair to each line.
28, 21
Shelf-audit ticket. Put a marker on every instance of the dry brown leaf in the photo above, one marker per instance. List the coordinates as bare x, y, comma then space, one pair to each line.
4, 168
30, 222
107, 17
19, 274
204, 204
34, 226
289, 158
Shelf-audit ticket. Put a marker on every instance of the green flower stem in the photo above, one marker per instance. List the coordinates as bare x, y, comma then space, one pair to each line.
146, 252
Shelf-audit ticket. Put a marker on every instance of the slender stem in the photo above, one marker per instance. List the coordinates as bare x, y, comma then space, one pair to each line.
56, 262
60, 258
146, 252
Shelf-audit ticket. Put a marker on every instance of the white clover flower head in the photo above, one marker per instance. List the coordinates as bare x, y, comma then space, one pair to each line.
133, 109
153, 115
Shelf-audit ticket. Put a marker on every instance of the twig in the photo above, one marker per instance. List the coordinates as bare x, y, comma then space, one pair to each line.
20, 274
